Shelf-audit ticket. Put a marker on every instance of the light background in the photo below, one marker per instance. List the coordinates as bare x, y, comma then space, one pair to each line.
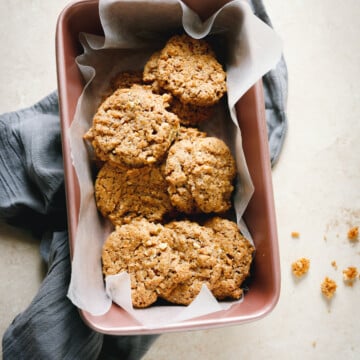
316, 182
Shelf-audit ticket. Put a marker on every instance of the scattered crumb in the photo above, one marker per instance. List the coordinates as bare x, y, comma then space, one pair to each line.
353, 233
325, 238
328, 287
300, 267
334, 264
313, 344
349, 275
295, 234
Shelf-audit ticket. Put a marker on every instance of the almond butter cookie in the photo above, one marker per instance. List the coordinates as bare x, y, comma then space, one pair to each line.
200, 174
218, 256
123, 194
141, 249
236, 256
189, 69
133, 127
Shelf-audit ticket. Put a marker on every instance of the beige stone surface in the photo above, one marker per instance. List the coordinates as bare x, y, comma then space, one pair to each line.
316, 182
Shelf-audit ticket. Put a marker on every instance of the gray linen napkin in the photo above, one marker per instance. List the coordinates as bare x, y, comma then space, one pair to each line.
32, 196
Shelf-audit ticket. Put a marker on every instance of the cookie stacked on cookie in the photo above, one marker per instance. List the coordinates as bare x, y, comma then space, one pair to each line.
159, 171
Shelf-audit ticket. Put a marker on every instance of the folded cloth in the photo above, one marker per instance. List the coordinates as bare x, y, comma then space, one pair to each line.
32, 195
275, 84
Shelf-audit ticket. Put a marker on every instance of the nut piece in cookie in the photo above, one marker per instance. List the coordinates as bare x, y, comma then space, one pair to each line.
200, 174
189, 70
123, 194
133, 127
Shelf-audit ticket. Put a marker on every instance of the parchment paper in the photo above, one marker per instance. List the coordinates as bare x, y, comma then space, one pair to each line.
133, 31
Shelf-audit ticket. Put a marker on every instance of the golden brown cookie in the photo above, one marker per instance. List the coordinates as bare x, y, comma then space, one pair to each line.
200, 174
190, 115
177, 169
194, 243
123, 80
123, 194
133, 127
236, 256
189, 70
218, 256
140, 248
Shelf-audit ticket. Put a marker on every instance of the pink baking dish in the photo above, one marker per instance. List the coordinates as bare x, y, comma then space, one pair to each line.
83, 16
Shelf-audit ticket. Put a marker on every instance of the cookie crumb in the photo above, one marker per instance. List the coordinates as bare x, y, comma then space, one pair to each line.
334, 264
349, 275
314, 344
300, 267
353, 233
295, 234
328, 287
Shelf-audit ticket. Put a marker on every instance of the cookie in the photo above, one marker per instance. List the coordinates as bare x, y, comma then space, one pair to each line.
190, 115
200, 175
218, 256
123, 80
133, 127
177, 171
189, 70
123, 194
141, 249
194, 243
236, 255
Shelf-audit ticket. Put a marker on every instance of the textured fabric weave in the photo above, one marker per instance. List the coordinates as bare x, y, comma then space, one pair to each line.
32, 196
